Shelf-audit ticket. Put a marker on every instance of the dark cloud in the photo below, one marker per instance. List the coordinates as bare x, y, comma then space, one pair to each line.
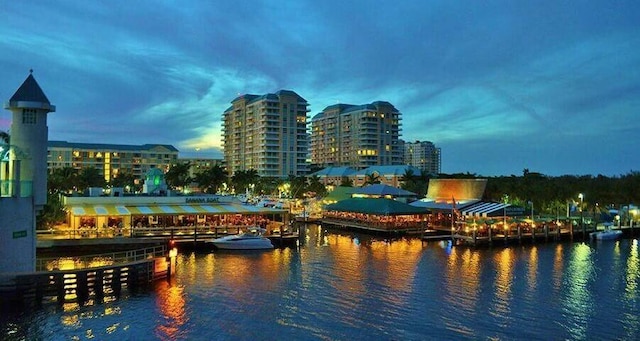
499, 85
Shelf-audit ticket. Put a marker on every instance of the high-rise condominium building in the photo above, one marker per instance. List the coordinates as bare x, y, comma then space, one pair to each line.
359, 136
266, 133
111, 159
423, 155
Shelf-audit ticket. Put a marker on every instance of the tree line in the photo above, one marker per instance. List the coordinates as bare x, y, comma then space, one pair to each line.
547, 194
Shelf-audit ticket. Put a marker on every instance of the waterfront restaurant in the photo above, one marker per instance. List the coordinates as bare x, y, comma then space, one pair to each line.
116, 215
375, 214
454, 202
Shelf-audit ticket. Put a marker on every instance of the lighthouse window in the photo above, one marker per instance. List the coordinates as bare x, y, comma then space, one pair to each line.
28, 116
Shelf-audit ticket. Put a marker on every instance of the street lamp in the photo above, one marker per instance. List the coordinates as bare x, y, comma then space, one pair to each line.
533, 225
504, 211
581, 197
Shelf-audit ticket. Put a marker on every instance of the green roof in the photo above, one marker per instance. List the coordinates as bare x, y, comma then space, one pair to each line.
340, 193
380, 206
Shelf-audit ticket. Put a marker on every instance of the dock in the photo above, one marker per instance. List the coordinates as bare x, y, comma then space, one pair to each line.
542, 234
90, 278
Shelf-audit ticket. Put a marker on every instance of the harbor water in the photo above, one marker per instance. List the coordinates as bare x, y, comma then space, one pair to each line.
346, 286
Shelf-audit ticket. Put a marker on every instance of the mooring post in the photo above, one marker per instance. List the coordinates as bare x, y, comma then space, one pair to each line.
82, 288
116, 281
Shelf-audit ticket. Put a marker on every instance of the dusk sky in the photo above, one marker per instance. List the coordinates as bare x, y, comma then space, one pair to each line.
500, 86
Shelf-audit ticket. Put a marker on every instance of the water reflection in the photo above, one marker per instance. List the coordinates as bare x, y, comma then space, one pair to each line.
170, 302
532, 273
631, 321
579, 302
462, 285
341, 286
558, 270
504, 264
633, 272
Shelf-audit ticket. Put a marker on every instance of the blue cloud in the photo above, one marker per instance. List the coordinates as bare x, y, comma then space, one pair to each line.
499, 85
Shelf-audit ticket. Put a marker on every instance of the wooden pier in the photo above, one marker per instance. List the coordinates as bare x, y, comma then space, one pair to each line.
36, 289
520, 235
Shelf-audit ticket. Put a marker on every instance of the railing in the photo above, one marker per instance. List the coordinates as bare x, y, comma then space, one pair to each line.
98, 260
141, 232
178, 231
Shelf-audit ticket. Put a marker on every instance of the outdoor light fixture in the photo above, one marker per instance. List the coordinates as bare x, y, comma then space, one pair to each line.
581, 197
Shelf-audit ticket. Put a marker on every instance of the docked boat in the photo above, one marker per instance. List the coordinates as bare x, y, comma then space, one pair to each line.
606, 234
252, 239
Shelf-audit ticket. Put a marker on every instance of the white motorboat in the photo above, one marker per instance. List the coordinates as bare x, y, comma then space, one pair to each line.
606, 234
252, 239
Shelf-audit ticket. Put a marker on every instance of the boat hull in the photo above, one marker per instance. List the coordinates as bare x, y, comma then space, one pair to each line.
606, 235
241, 243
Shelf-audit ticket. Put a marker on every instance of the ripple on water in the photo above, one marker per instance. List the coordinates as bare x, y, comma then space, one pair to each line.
340, 290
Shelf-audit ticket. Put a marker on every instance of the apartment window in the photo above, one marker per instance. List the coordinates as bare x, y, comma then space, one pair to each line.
28, 116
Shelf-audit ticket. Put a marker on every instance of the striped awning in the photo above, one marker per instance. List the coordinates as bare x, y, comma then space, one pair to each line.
120, 210
483, 209
221, 208
239, 209
99, 210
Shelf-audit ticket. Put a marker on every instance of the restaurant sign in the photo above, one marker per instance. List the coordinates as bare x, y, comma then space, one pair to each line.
201, 200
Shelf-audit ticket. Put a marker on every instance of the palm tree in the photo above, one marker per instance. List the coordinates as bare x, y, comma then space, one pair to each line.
243, 179
372, 179
316, 186
63, 180
346, 182
90, 177
4, 137
178, 175
210, 179
123, 179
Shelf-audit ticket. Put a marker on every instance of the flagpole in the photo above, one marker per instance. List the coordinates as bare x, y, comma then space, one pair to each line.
453, 208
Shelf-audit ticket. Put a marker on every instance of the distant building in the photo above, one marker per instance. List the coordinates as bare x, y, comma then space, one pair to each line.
111, 159
266, 133
386, 175
423, 155
358, 136
200, 164
334, 175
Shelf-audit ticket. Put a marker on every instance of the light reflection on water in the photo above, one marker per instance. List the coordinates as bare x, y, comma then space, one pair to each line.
344, 286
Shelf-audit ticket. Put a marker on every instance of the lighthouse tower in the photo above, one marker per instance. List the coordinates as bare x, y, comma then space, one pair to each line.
29, 135
23, 177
